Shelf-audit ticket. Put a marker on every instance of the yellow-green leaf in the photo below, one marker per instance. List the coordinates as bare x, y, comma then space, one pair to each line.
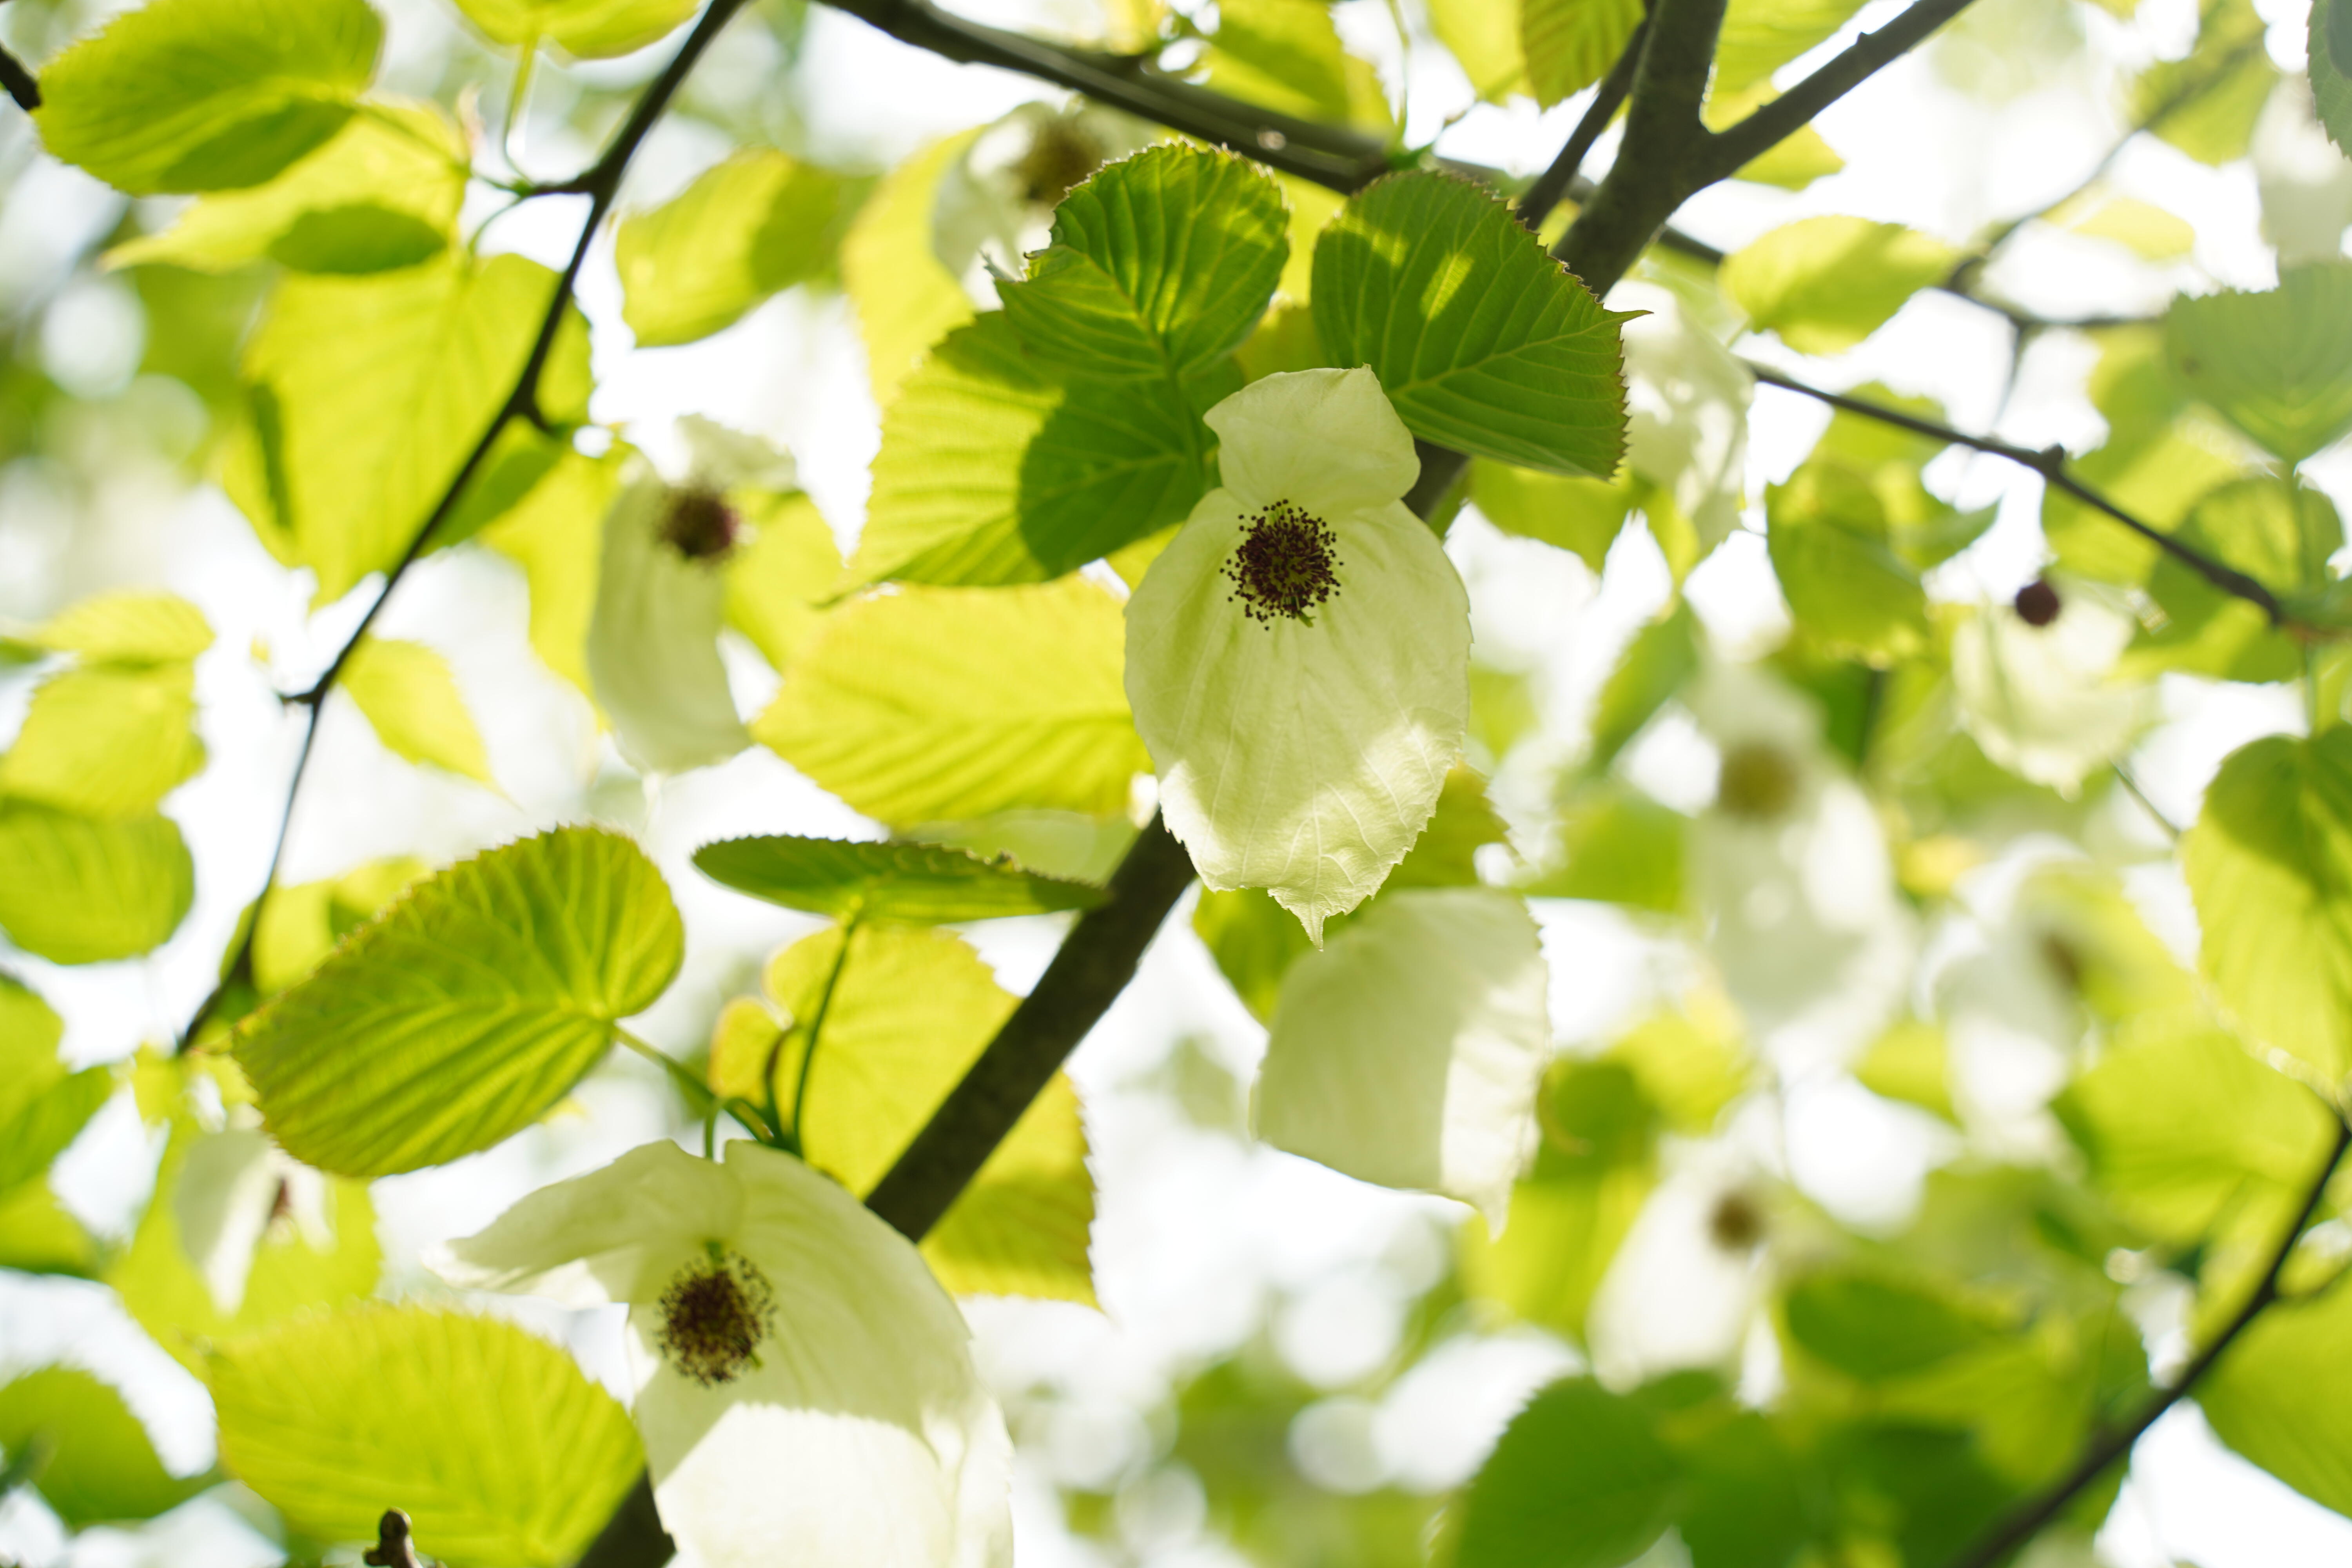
75, 890
587, 29
498, 1447
412, 701
1826, 283
106, 740
88, 1455
758, 222
2277, 363
1568, 45
906, 300
780, 579
945, 704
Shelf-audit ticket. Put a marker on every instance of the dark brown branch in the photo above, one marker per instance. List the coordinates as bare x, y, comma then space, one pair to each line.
2051, 463
600, 184
2027, 1520
1554, 182
1734, 148
18, 79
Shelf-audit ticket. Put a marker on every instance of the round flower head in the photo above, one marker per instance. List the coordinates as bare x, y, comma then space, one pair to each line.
805, 1390
1298, 658
653, 636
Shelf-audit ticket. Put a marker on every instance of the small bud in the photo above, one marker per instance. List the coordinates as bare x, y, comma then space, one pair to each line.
2038, 603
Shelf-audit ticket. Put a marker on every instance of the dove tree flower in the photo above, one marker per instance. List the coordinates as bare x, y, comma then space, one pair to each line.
805, 1390
1409, 1052
1298, 659
653, 636
2044, 701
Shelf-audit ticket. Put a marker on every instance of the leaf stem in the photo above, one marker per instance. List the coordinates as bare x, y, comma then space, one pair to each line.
2027, 1520
815, 1032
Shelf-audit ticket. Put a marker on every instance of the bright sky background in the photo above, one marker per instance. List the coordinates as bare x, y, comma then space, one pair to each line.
1201, 1235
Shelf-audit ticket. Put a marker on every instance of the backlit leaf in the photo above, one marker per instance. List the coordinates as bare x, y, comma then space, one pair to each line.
1579, 1480
78, 891
587, 29
106, 740
98, 1465
1568, 45
756, 224
923, 884
412, 701
467, 1008
1826, 283
2278, 364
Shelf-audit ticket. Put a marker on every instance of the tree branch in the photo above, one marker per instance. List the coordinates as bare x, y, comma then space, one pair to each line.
2051, 463
1734, 148
19, 81
1554, 182
601, 183
2026, 1520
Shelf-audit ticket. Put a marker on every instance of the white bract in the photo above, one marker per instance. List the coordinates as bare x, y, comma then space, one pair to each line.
233, 1185
2043, 701
661, 589
1791, 871
1298, 658
1409, 1052
805, 1390
1686, 401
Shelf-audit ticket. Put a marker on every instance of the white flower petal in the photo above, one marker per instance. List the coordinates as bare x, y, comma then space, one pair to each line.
613, 1235
1326, 440
226, 1188
865, 1438
2038, 699
1687, 409
653, 643
1408, 1053
721, 459
1301, 758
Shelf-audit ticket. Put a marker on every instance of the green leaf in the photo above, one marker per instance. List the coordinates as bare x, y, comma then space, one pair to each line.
412, 701
1254, 942
2283, 1396
2280, 532
756, 224
2270, 865
95, 1464
1160, 265
1759, 37
383, 192
129, 625
909, 1011
494, 1442
2330, 44
943, 704
1910, 1063
301, 924
1286, 56
1745, 1503
2206, 104
1571, 44
556, 536
207, 95
1844, 583
467, 1008
292, 1274
586, 29
1619, 846
38, 1237
1579, 515
1445, 855
1485, 40
2178, 1130
366, 393
2277, 364
1661, 657
781, 579
1579, 1480
1594, 1171
1877, 1330
994, 470
77, 891
906, 300
1792, 163
42, 1106
108, 741
923, 884
1826, 283
1482, 342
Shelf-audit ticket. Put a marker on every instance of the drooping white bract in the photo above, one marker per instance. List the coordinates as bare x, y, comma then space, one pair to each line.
653, 635
1686, 400
1298, 659
232, 1186
1790, 868
805, 1390
2043, 701
1409, 1052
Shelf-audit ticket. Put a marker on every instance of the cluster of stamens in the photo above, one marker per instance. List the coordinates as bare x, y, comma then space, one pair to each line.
1759, 781
699, 524
714, 1315
1285, 566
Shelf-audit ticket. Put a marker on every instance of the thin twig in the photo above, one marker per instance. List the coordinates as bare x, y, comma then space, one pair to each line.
1733, 149
2022, 1523
20, 82
238, 967
601, 183
1554, 182
2051, 463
